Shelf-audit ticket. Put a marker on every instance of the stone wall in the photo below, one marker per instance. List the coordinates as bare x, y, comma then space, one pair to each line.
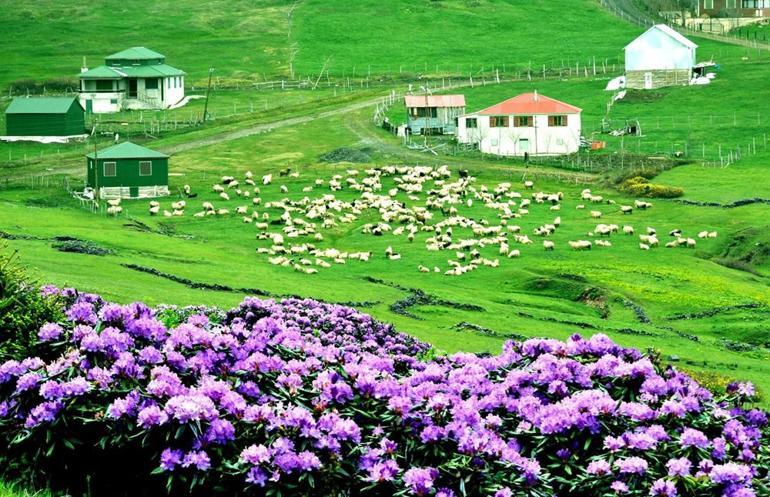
660, 78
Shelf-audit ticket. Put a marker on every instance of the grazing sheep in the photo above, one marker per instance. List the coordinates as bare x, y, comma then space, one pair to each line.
514, 253
556, 207
114, 209
557, 221
672, 244
218, 188
208, 206
628, 230
242, 209
690, 243
626, 209
603, 243
200, 214
284, 189
596, 214
703, 234
267, 179
676, 233
548, 245
222, 212
154, 203
113, 202
529, 185
224, 196
580, 206
651, 231
154, 210
642, 205
423, 269
580, 245
644, 246
712, 234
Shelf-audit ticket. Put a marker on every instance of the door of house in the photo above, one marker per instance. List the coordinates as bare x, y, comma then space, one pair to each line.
648, 81
89, 106
132, 88
133, 191
523, 145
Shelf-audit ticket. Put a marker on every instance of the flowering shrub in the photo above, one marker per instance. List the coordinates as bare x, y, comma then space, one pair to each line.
304, 398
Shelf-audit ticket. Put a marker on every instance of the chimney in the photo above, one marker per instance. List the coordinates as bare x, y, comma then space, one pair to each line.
83, 68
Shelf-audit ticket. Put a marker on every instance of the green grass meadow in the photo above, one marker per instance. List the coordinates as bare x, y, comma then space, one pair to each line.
542, 293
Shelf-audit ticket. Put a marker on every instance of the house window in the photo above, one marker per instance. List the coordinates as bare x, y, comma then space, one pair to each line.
110, 170
103, 85
523, 121
731, 4
145, 168
113, 101
471, 123
498, 122
557, 121
708, 4
424, 112
151, 84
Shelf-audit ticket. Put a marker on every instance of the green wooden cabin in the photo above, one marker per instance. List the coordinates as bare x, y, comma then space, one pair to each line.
45, 116
128, 170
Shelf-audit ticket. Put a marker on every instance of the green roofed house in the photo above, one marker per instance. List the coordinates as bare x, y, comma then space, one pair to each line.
128, 170
136, 78
45, 116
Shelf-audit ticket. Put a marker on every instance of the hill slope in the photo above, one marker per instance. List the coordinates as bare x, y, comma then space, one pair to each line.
258, 40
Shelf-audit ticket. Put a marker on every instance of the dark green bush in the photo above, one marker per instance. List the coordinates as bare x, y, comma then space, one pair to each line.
23, 310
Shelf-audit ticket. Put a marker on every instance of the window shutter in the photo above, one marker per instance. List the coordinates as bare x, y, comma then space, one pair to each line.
505, 121
550, 120
530, 121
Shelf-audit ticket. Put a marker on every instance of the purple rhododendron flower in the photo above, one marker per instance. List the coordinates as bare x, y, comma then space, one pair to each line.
197, 458
693, 438
420, 480
151, 416
50, 332
679, 467
277, 390
170, 458
632, 465
663, 488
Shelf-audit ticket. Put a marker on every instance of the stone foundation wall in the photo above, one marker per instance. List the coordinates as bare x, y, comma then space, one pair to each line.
660, 78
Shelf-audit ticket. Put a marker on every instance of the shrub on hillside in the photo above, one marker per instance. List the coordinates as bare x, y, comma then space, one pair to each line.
305, 398
640, 186
23, 310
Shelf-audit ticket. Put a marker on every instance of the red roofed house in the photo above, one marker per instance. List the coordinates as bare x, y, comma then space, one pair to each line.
528, 123
436, 114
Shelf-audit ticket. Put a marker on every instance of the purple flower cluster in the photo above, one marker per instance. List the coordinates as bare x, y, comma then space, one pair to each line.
270, 392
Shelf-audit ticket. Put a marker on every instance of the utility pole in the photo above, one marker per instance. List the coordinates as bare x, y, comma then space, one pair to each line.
96, 174
208, 92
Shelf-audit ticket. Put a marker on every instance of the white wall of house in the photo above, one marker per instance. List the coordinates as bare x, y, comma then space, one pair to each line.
539, 139
656, 50
102, 100
173, 90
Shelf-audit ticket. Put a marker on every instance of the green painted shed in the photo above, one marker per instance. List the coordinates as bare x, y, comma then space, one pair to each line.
128, 170
45, 116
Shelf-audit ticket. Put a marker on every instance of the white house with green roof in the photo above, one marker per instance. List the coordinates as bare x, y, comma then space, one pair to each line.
136, 78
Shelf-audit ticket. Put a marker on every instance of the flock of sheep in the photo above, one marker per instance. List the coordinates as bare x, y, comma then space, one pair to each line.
441, 206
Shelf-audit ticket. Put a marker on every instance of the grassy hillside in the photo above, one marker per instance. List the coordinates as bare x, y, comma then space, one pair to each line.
540, 294
704, 308
258, 40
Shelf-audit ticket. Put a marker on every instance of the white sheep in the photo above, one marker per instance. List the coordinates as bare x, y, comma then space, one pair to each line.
596, 214
548, 245
224, 196
644, 246
628, 230
267, 179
